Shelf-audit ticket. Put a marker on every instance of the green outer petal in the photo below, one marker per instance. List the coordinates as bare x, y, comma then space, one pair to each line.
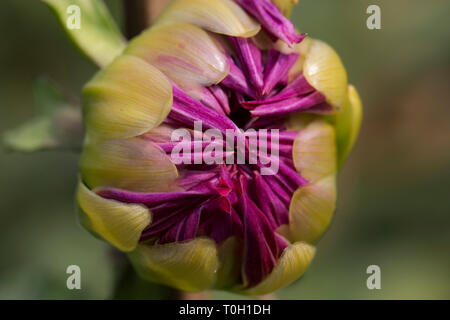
314, 151
126, 99
230, 258
133, 164
57, 123
348, 123
118, 223
36, 134
323, 69
189, 266
185, 53
219, 16
311, 210
302, 49
292, 264
98, 37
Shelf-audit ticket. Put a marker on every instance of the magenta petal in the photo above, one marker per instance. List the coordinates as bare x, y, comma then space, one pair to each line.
189, 226
217, 221
290, 175
197, 179
168, 146
297, 88
272, 20
251, 60
148, 199
262, 248
209, 100
167, 218
269, 203
277, 66
221, 98
236, 80
278, 188
288, 106
187, 110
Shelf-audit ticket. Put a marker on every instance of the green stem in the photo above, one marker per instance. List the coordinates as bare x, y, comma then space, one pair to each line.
129, 286
139, 14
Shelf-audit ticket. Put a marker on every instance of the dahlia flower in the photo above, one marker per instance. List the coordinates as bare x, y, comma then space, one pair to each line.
233, 65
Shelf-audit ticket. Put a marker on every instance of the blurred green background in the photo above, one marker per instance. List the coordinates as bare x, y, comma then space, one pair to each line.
394, 191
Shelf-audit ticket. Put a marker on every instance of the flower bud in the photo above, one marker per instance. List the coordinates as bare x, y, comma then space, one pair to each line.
247, 221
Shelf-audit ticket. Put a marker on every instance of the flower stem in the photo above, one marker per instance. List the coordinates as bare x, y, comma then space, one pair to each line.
139, 14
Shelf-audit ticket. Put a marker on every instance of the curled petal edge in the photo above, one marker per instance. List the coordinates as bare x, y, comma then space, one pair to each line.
188, 266
126, 99
218, 16
311, 210
118, 223
292, 264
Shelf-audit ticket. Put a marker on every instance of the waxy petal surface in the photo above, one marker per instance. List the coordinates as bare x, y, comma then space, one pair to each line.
314, 151
118, 223
325, 72
126, 99
189, 266
311, 210
185, 53
292, 264
348, 123
219, 16
134, 164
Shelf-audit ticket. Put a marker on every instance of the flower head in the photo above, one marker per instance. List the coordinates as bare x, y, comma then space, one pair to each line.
231, 65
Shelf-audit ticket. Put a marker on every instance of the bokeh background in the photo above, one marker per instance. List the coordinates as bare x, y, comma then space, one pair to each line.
394, 191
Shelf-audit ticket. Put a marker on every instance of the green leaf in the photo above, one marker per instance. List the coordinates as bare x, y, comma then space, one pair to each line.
57, 123
98, 36
31, 136
47, 96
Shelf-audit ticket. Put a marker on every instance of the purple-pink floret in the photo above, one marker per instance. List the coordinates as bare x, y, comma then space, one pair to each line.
271, 19
224, 200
